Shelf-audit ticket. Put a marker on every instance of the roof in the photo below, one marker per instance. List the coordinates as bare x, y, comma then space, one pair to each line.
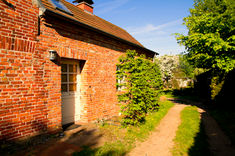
88, 1
93, 21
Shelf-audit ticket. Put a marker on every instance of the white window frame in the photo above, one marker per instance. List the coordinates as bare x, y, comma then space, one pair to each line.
67, 63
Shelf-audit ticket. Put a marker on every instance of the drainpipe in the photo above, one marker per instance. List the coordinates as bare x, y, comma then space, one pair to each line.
42, 10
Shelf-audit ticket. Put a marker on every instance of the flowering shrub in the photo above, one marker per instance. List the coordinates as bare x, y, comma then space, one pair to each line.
168, 65
176, 70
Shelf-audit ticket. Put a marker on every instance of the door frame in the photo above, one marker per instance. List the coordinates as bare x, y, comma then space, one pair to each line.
77, 105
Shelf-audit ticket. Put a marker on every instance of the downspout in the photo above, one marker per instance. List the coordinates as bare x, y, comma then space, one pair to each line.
42, 10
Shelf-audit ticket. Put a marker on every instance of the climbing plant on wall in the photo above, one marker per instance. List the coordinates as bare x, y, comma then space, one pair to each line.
141, 81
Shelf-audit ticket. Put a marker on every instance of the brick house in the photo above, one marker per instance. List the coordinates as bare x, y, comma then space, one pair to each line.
40, 93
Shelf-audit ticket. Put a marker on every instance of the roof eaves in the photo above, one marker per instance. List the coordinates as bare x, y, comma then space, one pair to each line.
92, 28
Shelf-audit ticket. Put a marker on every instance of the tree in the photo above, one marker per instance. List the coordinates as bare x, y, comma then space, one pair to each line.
186, 67
141, 81
176, 70
168, 64
210, 42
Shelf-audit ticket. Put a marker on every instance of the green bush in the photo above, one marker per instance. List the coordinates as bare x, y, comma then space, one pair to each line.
141, 80
210, 84
217, 83
225, 95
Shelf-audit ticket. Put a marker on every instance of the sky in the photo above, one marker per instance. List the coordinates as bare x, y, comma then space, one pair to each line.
152, 22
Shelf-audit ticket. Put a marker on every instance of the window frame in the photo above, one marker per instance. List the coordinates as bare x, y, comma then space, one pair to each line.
68, 73
64, 9
120, 81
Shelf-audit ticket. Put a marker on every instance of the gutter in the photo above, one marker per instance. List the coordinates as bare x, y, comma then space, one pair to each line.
44, 10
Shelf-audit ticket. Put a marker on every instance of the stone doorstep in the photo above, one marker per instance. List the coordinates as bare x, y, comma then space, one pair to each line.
69, 133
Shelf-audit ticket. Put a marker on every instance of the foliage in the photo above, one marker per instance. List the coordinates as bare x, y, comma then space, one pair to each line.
216, 86
168, 64
225, 95
186, 67
176, 69
126, 137
142, 84
210, 84
190, 137
211, 38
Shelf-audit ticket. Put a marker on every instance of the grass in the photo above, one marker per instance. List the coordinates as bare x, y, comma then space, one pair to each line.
225, 117
184, 94
190, 137
226, 120
124, 139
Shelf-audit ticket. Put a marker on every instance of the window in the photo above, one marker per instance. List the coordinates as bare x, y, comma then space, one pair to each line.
120, 82
69, 78
58, 5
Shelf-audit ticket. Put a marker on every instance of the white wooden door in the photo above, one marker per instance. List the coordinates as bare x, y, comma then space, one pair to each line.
70, 78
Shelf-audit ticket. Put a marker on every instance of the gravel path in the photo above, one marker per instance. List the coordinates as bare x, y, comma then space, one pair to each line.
161, 140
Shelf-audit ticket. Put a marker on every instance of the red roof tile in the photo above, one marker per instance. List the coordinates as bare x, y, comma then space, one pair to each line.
92, 20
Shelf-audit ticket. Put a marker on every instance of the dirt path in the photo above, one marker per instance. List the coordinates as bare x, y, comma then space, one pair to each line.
219, 143
159, 143
161, 140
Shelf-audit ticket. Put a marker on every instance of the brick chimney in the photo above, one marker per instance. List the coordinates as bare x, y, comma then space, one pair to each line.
85, 5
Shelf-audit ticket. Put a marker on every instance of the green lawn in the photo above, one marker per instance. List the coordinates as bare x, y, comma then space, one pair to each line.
190, 137
125, 138
184, 95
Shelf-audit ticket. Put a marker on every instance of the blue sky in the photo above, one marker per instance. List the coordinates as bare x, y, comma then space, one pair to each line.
152, 22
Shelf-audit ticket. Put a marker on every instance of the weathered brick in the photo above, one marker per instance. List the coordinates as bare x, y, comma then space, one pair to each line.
30, 84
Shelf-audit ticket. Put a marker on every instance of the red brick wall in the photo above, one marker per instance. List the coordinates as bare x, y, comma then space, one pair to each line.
18, 19
24, 82
98, 81
30, 84
98, 85
86, 7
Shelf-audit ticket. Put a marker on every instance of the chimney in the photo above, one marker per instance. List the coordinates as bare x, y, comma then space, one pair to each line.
85, 5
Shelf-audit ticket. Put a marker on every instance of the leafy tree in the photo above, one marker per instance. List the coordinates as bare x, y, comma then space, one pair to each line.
186, 67
211, 38
141, 80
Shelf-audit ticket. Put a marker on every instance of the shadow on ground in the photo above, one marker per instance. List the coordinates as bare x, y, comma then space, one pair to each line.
56, 144
201, 145
210, 140
92, 152
85, 137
